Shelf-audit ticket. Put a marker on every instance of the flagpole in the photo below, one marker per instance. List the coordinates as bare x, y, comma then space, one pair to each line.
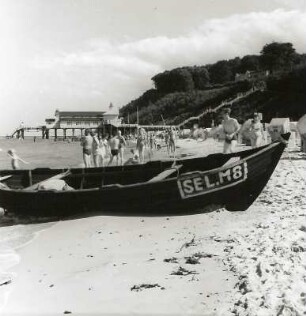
163, 119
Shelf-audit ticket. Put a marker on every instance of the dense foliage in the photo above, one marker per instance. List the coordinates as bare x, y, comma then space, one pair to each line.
284, 96
187, 91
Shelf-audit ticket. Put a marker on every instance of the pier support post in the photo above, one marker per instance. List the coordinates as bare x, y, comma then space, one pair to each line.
55, 134
65, 134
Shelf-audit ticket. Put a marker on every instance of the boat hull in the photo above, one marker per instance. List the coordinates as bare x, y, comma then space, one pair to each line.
157, 198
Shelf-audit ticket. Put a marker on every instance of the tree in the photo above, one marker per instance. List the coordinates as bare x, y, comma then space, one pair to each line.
200, 76
220, 72
179, 79
277, 55
249, 62
234, 65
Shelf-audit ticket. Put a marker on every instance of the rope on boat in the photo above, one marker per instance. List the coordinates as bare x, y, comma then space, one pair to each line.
297, 172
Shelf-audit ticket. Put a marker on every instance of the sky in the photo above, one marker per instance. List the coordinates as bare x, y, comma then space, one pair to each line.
83, 54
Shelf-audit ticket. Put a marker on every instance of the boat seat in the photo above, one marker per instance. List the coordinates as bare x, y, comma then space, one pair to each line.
164, 174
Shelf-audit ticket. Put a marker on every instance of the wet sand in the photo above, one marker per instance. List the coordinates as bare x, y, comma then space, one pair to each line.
220, 263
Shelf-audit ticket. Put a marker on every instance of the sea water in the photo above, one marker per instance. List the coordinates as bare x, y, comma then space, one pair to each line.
15, 233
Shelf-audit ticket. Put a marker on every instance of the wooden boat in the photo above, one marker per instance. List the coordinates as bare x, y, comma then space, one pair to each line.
193, 185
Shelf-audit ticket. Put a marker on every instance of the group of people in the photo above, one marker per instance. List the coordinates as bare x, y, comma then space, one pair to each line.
96, 149
232, 128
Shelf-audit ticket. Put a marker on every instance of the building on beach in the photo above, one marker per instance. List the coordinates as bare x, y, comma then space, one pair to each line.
73, 123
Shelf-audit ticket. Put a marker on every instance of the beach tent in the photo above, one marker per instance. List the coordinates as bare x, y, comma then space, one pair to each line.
293, 127
301, 125
277, 127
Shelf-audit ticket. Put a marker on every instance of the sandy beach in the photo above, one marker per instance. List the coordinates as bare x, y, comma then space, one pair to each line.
221, 263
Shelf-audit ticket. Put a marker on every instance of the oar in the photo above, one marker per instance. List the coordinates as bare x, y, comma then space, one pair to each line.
5, 177
166, 173
56, 177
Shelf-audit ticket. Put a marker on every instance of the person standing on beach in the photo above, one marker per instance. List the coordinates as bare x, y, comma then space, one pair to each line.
86, 143
122, 144
256, 132
103, 148
141, 143
96, 149
167, 141
114, 144
15, 159
231, 129
172, 146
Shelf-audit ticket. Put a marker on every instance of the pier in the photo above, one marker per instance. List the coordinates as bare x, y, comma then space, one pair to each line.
63, 133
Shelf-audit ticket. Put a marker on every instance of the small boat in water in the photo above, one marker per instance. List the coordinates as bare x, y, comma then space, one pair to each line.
180, 187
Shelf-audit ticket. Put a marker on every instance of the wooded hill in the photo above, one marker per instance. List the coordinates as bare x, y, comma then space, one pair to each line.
187, 91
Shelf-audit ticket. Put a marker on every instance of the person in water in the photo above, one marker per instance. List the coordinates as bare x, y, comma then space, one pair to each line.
256, 131
87, 143
231, 129
15, 159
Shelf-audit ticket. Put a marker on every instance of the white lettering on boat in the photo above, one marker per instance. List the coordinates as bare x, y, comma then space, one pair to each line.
198, 183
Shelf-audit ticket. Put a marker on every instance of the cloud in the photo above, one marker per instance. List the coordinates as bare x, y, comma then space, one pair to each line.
121, 70
103, 70
292, 4
215, 39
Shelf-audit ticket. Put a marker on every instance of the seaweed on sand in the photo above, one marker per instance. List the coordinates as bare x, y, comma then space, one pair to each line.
143, 286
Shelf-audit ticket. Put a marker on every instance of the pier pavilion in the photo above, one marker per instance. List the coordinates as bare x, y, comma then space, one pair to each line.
73, 123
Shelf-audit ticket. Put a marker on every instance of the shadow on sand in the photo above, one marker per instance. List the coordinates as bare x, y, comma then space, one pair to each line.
11, 219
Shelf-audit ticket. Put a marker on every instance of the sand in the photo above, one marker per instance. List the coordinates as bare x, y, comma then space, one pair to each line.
220, 263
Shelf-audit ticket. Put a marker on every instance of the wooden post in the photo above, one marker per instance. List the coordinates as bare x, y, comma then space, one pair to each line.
55, 134
64, 131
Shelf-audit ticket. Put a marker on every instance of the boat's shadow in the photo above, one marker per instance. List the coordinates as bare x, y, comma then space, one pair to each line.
13, 219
